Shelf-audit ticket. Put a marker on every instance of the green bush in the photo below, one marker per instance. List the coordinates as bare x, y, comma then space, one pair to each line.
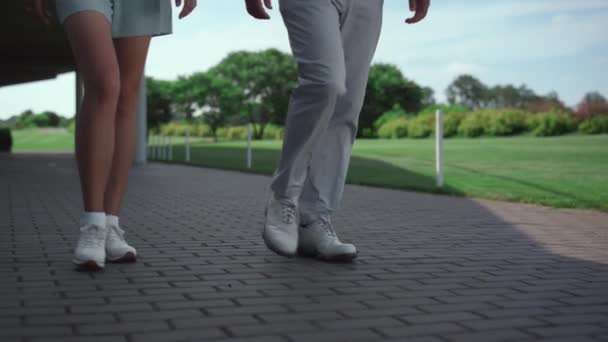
506, 122
367, 133
237, 133
551, 124
6, 139
391, 115
474, 124
201, 131
222, 133
596, 125
422, 126
395, 129
176, 129
273, 132
451, 122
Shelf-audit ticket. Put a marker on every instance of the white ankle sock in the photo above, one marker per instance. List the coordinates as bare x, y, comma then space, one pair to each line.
93, 218
112, 220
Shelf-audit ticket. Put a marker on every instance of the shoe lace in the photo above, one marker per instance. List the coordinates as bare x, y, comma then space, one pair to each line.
288, 212
328, 228
92, 236
116, 233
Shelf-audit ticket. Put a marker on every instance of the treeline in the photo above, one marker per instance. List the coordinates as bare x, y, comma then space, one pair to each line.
254, 87
471, 93
29, 119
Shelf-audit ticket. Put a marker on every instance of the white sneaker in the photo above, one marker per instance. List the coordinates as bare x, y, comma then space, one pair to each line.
281, 228
319, 240
90, 252
117, 248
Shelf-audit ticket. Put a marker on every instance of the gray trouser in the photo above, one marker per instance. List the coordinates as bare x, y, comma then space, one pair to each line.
333, 42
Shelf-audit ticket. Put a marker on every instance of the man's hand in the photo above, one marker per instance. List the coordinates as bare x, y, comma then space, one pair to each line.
189, 6
421, 8
40, 9
256, 9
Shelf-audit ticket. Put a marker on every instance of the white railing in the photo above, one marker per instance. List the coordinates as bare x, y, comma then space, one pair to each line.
439, 148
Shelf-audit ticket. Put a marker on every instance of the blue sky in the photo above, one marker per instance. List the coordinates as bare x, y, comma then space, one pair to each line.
559, 45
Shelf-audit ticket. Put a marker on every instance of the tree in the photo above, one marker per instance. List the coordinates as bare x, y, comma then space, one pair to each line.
25, 120
592, 104
549, 102
386, 88
183, 95
467, 91
47, 119
593, 97
159, 100
216, 97
428, 97
266, 79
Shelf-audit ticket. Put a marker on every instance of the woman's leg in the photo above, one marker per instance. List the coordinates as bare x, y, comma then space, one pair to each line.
89, 33
131, 54
90, 36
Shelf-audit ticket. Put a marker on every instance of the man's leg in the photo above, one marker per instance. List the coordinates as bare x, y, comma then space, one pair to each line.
324, 185
314, 35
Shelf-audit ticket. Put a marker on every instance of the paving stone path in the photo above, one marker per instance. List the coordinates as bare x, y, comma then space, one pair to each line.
431, 268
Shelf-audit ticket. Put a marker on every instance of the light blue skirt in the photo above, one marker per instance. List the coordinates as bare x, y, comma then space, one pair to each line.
129, 18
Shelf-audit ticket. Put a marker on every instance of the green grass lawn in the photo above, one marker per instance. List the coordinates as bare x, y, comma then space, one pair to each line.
569, 171
43, 140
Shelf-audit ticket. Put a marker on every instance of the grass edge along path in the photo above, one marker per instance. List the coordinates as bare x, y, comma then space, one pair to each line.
564, 172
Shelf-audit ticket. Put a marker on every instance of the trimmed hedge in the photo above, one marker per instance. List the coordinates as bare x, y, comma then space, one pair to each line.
393, 114
552, 124
451, 122
474, 125
596, 125
271, 132
394, 129
396, 124
6, 140
422, 126
507, 122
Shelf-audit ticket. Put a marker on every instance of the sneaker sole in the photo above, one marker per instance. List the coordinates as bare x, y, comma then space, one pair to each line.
90, 265
278, 252
342, 258
129, 257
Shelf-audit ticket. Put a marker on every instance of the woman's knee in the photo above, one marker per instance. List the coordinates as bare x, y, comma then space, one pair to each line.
103, 85
129, 93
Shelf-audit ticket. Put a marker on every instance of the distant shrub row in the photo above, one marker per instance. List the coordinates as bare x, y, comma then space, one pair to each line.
504, 122
457, 121
271, 132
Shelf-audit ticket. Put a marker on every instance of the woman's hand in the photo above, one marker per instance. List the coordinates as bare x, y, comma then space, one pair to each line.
256, 9
421, 8
189, 6
40, 9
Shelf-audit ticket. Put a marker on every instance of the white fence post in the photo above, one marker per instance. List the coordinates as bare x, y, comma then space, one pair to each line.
170, 148
439, 147
165, 148
249, 154
153, 146
187, 144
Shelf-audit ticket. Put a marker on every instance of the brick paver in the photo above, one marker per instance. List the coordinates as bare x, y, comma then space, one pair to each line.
431, 268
